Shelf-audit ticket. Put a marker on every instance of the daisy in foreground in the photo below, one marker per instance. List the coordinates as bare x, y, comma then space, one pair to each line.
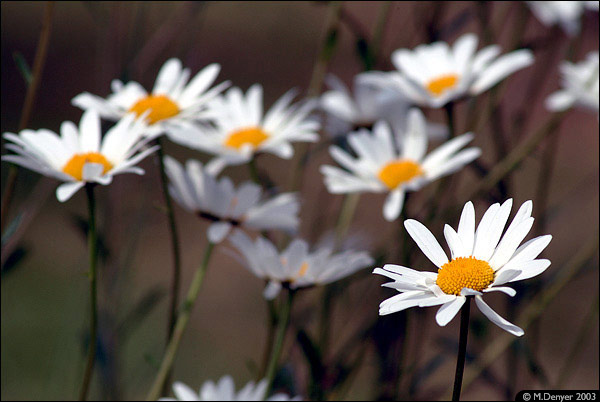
79, 155
221, 203
382, 166
433, 75
481, 261
580, 85
295, 267
224, 390
173, 101
239, 129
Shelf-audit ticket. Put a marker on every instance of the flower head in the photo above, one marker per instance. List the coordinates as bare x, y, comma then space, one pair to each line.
296, 266
79, 155
173, 102
239, 129
220, 202
567, 14
482, 261
435, 74
382, 166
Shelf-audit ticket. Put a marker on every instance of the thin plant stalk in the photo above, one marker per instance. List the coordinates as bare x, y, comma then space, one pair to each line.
181, 324
284, 319
462, 348
92, 274
272, 326
253, 170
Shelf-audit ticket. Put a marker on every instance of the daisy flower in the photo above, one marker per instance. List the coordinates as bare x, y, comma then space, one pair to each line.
567, 14
435, 74
580, 85
173, 101
384, 167
224, 390
347, 110
79, 155
295, 267
239, 129
220, 202
482, 261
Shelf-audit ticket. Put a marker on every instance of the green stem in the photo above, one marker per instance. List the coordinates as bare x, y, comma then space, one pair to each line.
182, 320
449, 108
284, 318
253, 171
93, 254
272, 325
462, 348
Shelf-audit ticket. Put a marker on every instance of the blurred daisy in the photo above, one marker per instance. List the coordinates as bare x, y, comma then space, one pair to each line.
173, 101
224, 390
435, 74
567, 14
382, 166
79, 155
348, 111
240, 129
580, 85
295, 267
220, 202
482, 261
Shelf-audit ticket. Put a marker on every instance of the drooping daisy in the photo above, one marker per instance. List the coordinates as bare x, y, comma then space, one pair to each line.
224, 390
382, 166
173, 101
296, 266
79, 155
567, 14
347, 110
434, 74
240, 129
580, 85
482, 261
220, 202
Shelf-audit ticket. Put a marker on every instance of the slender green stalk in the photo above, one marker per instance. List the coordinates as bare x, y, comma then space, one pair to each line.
449, 108
93, 257
253, 171
462, 348
182, 320
272, 325
284, 318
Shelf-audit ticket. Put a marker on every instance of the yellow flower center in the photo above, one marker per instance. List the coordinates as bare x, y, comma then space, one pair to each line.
441, 84
160, 106
303, 270
397, 172
253, 136
464, 272
74, 167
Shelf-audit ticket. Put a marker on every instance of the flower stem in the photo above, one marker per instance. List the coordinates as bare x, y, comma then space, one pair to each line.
253, 171
93, 254
462, 348
284, 318
449, 108
182, 320
272, 325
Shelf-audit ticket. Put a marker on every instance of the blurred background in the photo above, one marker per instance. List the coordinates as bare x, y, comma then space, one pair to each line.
44, 291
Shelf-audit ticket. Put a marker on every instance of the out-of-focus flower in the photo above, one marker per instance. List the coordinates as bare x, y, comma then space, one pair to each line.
580, 85
224, 390
348, 111
295, 267
434, 74
239, 129
382, 166
220, 202
482, 261
173, 101
567, 14
79, 155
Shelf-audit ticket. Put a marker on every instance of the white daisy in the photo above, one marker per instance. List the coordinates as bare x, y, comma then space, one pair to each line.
567, 14
296, 266
435, 74
580, 85
79, 155
482, 261
382, 166
173, 101
347, 111
220, 202
224, 390
240, 129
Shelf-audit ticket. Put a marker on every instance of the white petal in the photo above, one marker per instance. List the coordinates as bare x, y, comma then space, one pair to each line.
184, 393
496, 319
426, 242
502, 68
466, 228
89, 131
454, 242
218, 231
509, 291
530, 269
167, 76
66, 190
447, 312
272, 290
393, 205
